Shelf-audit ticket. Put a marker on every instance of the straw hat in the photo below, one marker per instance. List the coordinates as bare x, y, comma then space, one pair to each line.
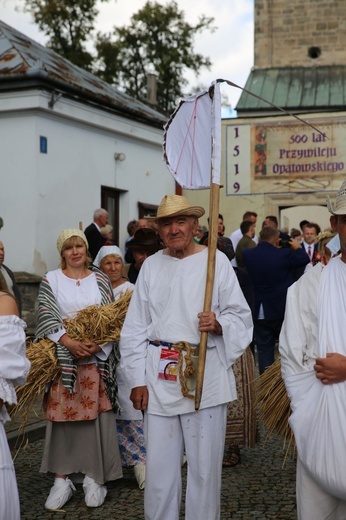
105, 251
174, 205
339, 208
68, 233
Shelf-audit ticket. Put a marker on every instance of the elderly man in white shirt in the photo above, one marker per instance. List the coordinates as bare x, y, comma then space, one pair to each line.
164, 318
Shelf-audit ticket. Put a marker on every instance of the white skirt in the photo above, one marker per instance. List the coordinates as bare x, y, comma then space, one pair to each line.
9, 499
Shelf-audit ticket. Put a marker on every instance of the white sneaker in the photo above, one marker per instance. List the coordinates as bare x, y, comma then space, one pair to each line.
139, 470
94, 493
60, 493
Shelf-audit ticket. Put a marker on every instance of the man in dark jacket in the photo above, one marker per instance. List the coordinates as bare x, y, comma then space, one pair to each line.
271, 270
93, 232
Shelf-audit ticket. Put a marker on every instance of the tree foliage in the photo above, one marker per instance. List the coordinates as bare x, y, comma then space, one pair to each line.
158, 40
69, 25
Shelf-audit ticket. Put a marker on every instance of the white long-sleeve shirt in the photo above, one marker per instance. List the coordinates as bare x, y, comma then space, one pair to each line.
14, 366
168, 295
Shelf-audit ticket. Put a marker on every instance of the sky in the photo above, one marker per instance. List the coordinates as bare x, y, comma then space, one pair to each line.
229, 47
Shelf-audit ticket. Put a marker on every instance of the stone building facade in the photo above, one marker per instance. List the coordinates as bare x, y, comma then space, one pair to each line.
299, 34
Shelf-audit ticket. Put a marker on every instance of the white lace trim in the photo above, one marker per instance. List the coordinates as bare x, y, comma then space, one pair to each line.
7, 392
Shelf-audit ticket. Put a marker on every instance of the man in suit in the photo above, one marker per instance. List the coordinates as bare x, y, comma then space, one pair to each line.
9, 277
270, 268
309, 239
93, 232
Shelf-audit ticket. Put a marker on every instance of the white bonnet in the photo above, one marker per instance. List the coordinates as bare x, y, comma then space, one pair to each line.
105, 251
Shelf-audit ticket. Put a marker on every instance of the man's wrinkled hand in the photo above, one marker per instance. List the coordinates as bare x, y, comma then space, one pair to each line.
139, 397
208, 323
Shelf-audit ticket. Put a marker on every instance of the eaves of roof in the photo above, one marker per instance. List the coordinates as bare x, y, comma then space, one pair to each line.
25, 63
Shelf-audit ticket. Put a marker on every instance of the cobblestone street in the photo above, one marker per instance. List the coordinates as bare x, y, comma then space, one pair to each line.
258, 488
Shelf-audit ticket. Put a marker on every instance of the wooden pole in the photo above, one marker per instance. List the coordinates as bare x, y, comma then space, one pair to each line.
212, 244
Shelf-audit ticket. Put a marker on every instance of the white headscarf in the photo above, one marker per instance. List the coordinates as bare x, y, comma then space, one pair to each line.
105, 251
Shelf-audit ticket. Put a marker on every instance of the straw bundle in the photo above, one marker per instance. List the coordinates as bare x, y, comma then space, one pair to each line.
98, 324
274, 405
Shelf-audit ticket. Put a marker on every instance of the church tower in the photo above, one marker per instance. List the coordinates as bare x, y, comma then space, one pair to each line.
299, 56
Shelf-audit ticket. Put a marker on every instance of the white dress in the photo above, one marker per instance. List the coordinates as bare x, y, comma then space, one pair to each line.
14, 368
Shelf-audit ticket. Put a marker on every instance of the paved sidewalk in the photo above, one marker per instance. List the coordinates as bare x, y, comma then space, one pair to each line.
258, 488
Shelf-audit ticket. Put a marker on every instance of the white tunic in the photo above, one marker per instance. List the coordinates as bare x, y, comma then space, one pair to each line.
299, 332
168, 295
314, 325
73, 295
14, 368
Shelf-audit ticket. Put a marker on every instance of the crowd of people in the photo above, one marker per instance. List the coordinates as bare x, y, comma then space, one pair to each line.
130, 403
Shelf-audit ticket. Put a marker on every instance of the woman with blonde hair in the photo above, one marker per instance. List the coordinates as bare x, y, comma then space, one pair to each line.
80, 403
14, 368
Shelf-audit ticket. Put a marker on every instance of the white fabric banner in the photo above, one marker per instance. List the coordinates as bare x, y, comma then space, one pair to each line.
192, 140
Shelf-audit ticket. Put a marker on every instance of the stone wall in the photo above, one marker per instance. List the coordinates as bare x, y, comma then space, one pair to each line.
300, 34
28, 285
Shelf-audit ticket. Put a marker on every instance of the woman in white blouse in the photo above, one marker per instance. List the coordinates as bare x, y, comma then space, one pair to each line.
14, 368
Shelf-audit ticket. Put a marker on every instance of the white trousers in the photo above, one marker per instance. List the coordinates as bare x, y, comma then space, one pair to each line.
313, 503
202, 436
9, 500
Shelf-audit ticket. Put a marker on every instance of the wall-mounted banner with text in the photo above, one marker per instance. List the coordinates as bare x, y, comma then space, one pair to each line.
284, 156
